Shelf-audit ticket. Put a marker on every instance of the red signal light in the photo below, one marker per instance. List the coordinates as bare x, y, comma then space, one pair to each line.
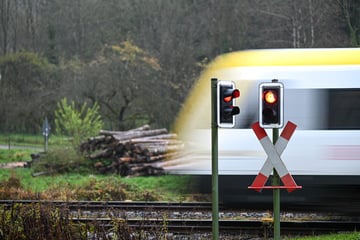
235, 94
226, 111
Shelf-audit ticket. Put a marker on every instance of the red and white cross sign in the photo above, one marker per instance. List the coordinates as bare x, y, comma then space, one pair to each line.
274, 160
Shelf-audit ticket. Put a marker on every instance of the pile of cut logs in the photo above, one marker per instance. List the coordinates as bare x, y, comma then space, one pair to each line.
136, 152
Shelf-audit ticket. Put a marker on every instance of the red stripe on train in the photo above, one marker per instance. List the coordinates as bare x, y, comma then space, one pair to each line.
343, 152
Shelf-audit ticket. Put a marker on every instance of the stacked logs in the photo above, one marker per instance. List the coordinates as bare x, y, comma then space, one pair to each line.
136, 152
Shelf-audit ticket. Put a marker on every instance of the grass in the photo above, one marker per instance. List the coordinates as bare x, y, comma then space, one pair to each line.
14, 155
31, 140
167, 188
78, 180
339, 236
20, 184
77, 186
46, 221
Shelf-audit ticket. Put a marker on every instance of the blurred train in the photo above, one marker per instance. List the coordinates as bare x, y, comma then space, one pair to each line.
321, 96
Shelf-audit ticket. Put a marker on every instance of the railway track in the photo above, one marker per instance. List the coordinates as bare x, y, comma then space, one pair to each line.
116, 205
179, 218
201, 225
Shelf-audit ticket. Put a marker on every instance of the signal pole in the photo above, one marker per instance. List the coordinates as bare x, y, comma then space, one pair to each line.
276, 182
214, 161
276, 193
223, 111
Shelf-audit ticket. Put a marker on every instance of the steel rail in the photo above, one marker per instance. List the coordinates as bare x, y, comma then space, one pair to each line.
121, 205
228, 226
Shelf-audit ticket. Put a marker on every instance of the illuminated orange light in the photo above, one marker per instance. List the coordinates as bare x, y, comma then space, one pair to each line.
227, 99
270, 97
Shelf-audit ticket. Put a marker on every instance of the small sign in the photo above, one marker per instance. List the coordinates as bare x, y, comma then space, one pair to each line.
46, 132
46, 128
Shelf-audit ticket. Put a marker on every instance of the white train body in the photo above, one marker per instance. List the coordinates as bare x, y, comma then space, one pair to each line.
321, 96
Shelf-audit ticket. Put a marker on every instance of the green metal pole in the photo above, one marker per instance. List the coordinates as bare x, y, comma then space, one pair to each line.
214, 161
45, 143
276, 193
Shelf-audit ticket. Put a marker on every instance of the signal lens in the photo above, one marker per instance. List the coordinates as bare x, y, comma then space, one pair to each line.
270, 97
235, 94
235, 110
227, 99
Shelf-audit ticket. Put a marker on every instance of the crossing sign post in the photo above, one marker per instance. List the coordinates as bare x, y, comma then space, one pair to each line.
273, 162
273, 149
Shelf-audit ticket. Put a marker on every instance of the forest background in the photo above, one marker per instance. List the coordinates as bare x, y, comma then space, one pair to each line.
139, 58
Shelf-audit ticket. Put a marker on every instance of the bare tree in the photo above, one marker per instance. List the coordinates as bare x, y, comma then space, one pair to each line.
6, 9
80, 38
351, 16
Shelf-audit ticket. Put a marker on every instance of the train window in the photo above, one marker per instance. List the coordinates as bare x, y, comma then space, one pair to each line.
343, 109
306, 107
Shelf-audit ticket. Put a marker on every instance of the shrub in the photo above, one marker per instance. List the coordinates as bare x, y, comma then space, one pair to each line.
61, 160
79, 124
109, 189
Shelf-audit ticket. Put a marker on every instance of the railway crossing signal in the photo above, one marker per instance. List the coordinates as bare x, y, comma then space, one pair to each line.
271, 108
226, 111
271, 104
274, 160
223, 111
